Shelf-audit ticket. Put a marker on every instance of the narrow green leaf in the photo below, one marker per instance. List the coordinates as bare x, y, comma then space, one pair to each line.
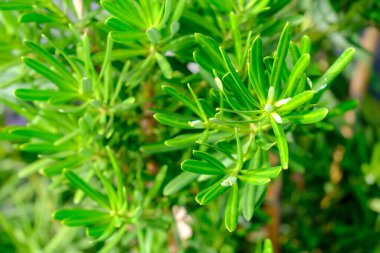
239, 88
268, 247
34, 94
127, 37
153, 35
305, 45
271, 172
256, 70
295, 76
44, 147
179, 182
295, 53
30, 132
343, 107
182, 98
231, 215
79, 183
118, 173
308, 117
164, 65
211, 193
45, 55
16, 5
38, 18
279, 61
58, 166
282, 144
200, 167
248, 201
209, 159
253, 179
324, 82
80, 217
297, 101
184, 140
237, 36
173, 120
53, 76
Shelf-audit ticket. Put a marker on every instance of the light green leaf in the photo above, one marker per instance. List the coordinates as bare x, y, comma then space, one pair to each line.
153, 35
79, 183
295, 76
256, 70
80, 217
53, 76
324, 82
200, 167
282, 144
179, 182
182, 98
231, 215
279, 61
211, 193
271, 172
164, 65
209, 159
173, 120
297, 101
308, 117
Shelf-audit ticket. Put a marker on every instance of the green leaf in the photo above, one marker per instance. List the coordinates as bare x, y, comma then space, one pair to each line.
279, 61
295, 53
308, 117
80, 217
237, 86
305, 45
79, 183
179, 182
182, 98
324, 82
231, 215
44, 147
268, 247
256, 70
30, 132
282, 144
59, 166
297, 101
184, 140
127, 37
164, 65
53, 76
166, 13
248, 201
153, 35
211, 193
237, 37
271, 172
296, 75
200, 167
343, 107
38, 18
251, 179
209, 53
173, 120
34, 94
209, 159
118, 173
16, 5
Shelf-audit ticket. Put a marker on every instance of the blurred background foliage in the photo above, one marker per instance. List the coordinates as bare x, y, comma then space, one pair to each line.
328, 201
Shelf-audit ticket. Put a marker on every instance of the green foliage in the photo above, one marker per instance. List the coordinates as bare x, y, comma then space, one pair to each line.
115, 109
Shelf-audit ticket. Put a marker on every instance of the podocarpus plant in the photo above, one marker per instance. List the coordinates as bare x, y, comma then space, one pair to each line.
223, 96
